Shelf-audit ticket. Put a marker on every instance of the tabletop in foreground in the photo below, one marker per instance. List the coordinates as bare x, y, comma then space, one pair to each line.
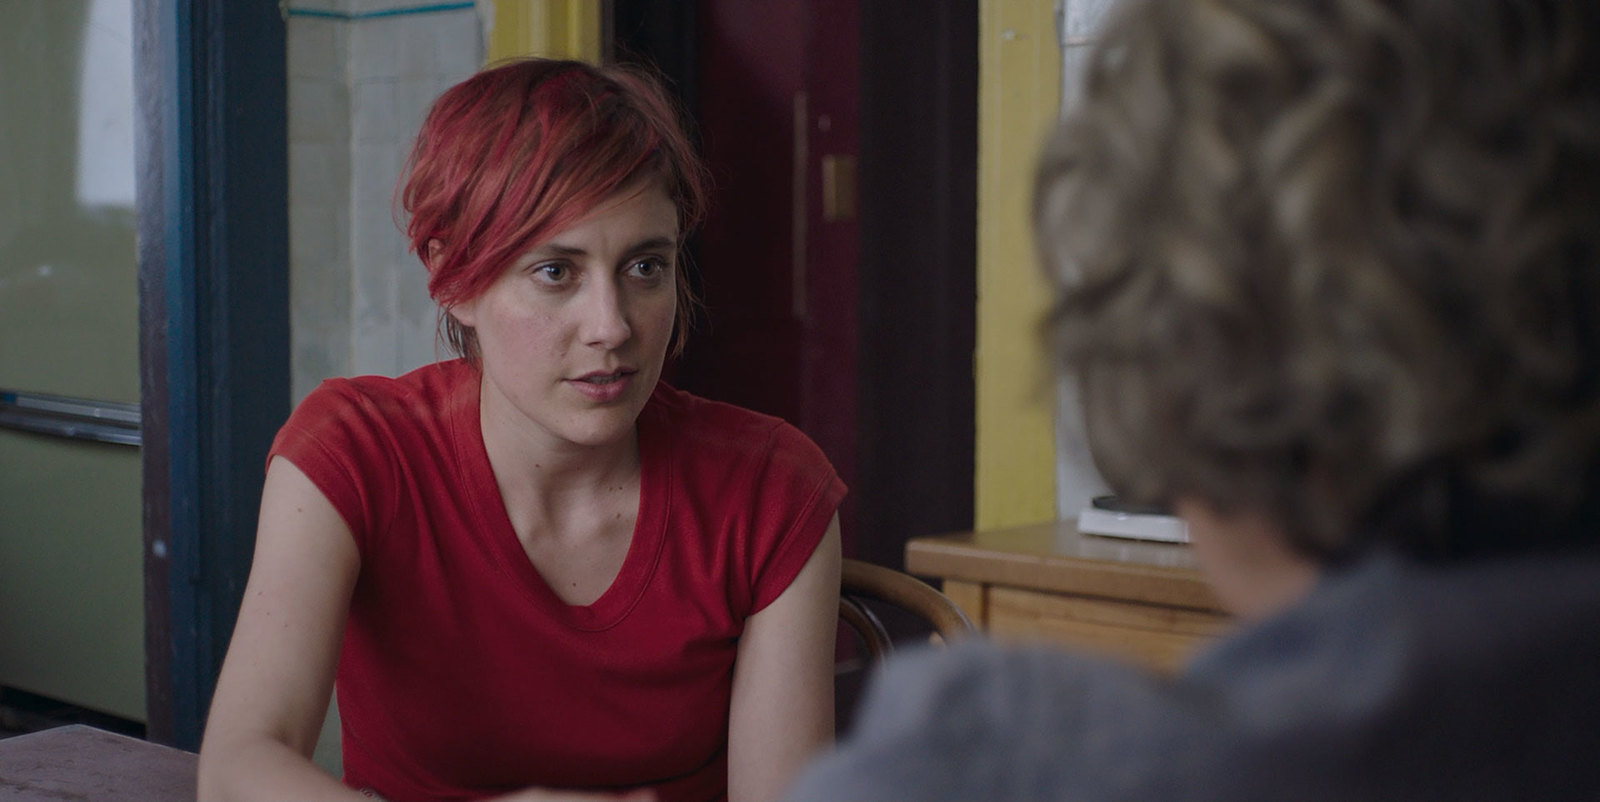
78, 762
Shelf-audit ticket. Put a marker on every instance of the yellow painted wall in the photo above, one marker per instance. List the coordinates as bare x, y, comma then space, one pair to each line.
1018, 99
549, 28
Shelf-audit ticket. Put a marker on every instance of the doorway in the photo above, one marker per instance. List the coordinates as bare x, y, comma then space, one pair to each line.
838, 262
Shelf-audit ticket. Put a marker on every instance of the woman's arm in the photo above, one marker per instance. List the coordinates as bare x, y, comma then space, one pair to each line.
782, 709
273, 691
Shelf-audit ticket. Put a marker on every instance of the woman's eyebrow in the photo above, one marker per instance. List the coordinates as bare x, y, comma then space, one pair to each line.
647, 244
654, 244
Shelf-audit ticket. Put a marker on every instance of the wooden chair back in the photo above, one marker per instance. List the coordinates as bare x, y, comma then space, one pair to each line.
863, 581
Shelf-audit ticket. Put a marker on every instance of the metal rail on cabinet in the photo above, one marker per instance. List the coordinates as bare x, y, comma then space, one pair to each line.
73, 418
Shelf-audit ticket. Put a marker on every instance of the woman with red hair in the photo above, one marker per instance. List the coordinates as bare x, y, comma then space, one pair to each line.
537, 566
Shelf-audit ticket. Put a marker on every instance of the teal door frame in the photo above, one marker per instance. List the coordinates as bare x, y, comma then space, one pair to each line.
214, 325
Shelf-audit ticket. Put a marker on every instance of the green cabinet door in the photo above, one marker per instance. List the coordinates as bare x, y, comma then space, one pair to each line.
71, 577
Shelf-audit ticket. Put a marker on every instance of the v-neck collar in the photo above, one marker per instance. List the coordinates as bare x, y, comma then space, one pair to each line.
644, 549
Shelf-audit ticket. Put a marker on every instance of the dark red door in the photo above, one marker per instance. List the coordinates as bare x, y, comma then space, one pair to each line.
777, 105
852, 320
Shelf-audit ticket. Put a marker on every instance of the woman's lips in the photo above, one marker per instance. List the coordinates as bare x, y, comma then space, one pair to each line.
603, 388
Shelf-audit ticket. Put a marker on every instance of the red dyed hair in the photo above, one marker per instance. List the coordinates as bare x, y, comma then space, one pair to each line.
520, 151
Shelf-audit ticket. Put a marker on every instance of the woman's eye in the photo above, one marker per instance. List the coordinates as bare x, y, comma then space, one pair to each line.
647, 268
553, 273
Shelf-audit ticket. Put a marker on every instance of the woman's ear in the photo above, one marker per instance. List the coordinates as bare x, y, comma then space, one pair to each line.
464, 313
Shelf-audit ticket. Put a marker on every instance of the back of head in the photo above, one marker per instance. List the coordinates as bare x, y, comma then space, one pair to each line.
523, 149
1336, 261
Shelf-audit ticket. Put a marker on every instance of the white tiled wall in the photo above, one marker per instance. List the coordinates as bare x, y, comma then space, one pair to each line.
358, 89
1079, 21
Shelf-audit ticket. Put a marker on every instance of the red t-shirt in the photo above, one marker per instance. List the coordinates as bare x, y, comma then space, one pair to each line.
463, 675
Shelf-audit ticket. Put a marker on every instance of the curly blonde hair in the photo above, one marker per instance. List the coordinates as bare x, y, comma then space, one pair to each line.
1336, 261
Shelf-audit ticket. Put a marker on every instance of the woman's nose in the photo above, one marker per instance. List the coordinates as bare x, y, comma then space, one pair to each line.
605, 316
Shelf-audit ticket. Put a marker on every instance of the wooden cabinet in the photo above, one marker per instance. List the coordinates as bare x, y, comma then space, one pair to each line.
1133, 600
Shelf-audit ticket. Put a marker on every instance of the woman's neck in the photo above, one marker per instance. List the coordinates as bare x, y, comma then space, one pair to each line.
551, 484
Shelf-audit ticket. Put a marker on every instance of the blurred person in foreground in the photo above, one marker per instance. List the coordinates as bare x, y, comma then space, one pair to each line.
1327, 275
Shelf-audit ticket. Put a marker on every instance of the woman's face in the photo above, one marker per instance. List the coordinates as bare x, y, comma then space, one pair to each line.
574, 333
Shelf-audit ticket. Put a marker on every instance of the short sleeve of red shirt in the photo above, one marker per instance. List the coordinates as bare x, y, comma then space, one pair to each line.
798, 492
757, 480
346, 437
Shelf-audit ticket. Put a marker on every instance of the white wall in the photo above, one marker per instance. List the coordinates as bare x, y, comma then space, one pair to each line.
1077, 481
359, 86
